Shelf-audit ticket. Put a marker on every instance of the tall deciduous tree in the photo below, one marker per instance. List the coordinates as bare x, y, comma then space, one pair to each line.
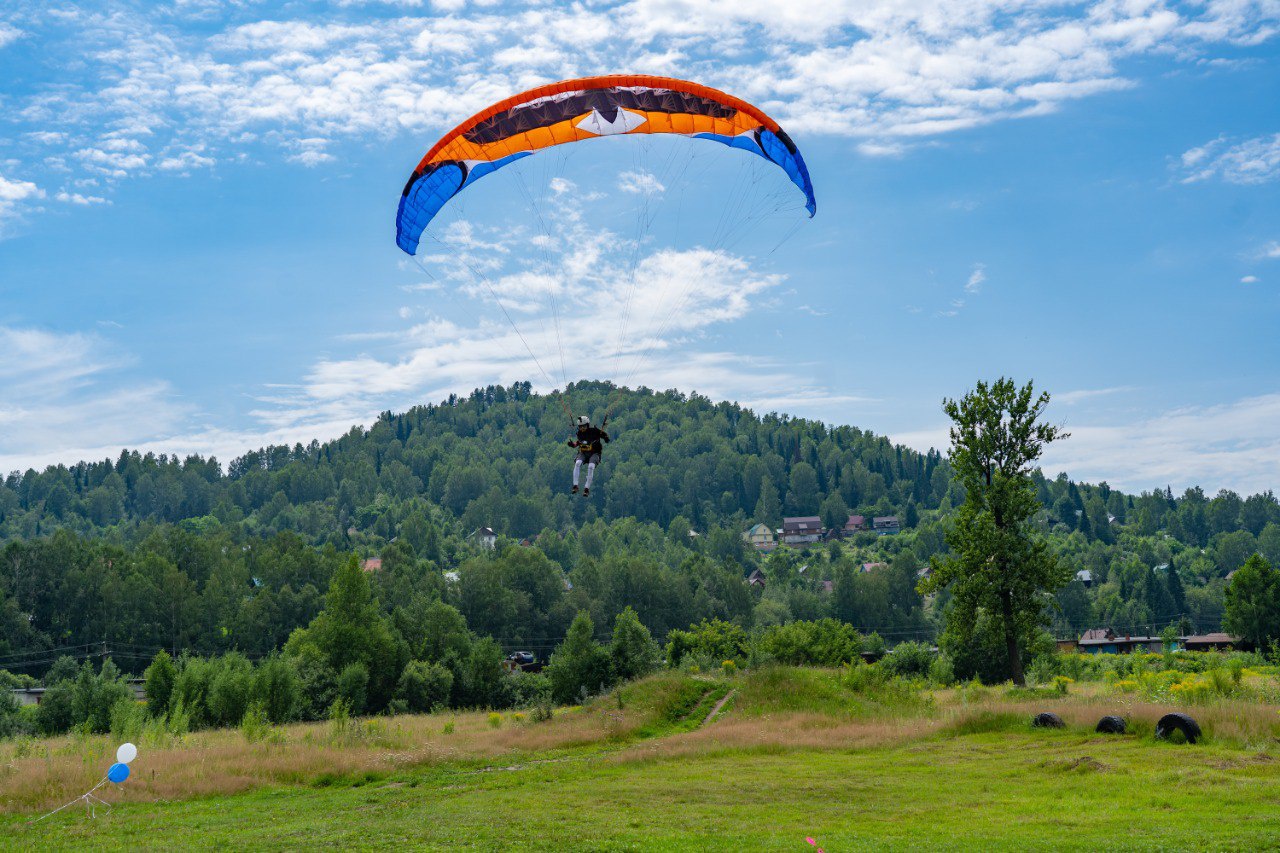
999, 567
1253, 603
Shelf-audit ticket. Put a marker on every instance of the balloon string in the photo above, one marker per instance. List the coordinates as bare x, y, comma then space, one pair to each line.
86, 796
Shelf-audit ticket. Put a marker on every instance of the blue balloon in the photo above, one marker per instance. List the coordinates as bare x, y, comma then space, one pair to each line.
118, 773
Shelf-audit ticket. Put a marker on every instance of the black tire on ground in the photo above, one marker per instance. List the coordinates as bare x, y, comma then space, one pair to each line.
1047, 721
1171, 723
1111, 726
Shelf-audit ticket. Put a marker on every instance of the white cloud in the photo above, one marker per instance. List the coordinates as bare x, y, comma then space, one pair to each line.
1271, 250
640, 183
1249, 279
1253, 161
77, 198
58, 401
881, 71
1070, 398
882, 149
13, 193
9, 34
976, 278
1233, 445
310, 152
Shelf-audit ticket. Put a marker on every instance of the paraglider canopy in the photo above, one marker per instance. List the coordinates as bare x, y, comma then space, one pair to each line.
587, 108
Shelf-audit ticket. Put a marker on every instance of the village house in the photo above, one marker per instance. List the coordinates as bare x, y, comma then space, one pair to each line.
801, 530
761, 537
855, 524
756, 578
485, 537
885, 524
1214, 642
1106, 641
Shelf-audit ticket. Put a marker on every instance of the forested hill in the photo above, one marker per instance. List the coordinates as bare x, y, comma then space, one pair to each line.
158, 551
498, 458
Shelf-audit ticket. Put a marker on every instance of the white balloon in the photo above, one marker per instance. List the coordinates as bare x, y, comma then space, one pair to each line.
126, 753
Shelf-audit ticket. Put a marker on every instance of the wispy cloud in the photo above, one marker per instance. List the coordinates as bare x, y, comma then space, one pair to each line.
1070, 398
972, 287
8, 34
1251, 161
1233, 445
60, 399
976, 278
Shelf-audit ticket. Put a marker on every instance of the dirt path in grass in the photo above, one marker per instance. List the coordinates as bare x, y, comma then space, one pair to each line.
719, 705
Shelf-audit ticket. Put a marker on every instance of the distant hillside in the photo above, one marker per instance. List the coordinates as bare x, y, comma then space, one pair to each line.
498, 458
103, 550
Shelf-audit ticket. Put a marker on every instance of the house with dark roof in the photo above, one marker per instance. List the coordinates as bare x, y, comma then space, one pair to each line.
801, 530
1213, 642
756, 578
1106, 641
885, 524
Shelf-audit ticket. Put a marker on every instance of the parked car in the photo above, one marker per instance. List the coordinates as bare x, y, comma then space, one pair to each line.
524, 661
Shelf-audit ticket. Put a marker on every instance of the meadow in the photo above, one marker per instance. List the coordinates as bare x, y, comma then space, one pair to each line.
761, 759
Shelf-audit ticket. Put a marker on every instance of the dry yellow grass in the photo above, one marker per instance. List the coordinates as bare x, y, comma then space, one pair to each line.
38, 775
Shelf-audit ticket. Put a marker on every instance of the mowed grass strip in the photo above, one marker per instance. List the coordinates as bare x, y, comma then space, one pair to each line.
1005, 790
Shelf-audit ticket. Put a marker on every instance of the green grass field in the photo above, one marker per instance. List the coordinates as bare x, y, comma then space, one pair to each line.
792, 754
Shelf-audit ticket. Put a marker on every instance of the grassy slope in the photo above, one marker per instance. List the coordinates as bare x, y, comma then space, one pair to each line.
774, 768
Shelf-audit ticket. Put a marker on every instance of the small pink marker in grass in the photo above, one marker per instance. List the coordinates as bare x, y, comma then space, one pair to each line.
813, 843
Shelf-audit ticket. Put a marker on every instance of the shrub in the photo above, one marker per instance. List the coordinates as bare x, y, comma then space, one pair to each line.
278, 689
1236, 666
632, 651
579, 663
448, 728
1061, 683
423, 686
128, 718
191, 689
95, 694
55, 714
317, 681
229, 689
495, 720
11, 720
529, 689
353, 687
942, 672
713, 638
340, 725
826, 642
160, 677
908, 659
256, 726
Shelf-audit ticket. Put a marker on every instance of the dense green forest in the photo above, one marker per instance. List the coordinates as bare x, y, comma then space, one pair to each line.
147, 552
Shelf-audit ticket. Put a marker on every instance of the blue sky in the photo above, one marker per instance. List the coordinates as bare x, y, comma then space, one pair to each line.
197, 221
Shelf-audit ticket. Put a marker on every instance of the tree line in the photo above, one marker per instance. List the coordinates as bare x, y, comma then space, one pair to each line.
148, 552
